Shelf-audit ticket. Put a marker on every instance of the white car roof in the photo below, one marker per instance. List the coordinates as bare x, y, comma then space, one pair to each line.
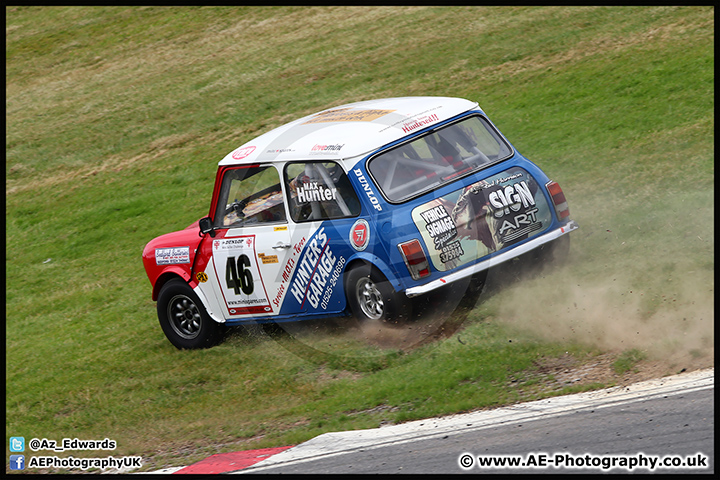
348, 131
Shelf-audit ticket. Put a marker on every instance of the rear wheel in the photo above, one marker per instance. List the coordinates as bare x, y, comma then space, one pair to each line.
184, 319
372, 297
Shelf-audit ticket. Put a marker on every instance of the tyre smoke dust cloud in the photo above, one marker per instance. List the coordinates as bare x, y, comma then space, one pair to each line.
671, 319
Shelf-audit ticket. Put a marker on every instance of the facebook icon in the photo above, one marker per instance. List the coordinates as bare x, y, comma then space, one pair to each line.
17, 462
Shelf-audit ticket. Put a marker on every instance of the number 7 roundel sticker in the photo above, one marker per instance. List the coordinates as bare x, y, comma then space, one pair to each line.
360, 235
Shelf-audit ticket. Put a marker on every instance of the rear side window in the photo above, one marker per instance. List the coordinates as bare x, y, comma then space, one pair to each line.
437, 158
319, 191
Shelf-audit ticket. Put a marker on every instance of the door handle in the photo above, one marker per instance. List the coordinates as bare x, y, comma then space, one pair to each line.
281, 246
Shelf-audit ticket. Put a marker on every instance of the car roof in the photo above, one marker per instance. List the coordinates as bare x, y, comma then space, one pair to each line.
348, 131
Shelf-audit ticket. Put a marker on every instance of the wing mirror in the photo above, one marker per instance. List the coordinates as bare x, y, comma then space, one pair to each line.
206, 226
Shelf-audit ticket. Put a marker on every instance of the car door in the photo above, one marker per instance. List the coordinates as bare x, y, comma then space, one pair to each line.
323, 207
252, 244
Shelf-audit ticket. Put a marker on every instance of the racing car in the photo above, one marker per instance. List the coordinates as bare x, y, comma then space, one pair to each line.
354, 210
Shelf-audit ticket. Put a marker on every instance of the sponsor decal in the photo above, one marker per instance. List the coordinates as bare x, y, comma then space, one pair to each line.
172, 255
419, 123
443, 232
279, 229
315, 273
368, 189
347, 115
326, 149
332, 282
315, 192
268, 258
506, 201
512, 197
277, 150
201, 277
409, 120
243, 152
233, 243
241, 285
482, 218
360, 235
287, 272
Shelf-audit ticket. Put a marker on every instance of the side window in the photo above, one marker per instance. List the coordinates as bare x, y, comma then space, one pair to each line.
250, 196
319, 191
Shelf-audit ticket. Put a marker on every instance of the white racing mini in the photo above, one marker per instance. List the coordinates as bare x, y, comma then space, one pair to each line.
353, 210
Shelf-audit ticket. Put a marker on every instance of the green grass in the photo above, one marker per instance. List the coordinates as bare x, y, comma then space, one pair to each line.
117, 117
628, 360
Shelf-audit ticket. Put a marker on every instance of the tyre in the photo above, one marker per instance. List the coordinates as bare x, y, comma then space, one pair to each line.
184, 319
372, 297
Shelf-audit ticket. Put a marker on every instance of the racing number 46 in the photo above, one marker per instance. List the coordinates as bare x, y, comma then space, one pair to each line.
238, 276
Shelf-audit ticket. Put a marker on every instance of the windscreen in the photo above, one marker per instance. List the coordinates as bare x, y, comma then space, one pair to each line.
437, 158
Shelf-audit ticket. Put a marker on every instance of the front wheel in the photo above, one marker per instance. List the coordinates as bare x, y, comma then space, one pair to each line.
184, 319
372, 297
